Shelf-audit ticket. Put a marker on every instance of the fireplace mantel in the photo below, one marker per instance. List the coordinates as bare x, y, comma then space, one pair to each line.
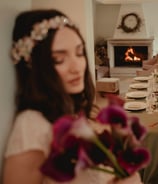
128, 42
138, 42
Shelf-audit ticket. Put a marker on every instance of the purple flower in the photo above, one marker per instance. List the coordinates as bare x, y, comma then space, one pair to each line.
113, 115
96, 155
61, 128
83, 160
61, 165
81, 129
138, 130
76, 146
68, 130
133, 160
67, 156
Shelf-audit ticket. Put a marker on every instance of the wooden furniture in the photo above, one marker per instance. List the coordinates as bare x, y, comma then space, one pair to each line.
108, 85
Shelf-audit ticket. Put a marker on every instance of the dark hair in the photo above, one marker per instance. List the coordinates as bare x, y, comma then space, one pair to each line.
39, 87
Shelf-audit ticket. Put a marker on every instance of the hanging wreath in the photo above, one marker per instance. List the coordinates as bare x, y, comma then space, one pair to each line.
130, 23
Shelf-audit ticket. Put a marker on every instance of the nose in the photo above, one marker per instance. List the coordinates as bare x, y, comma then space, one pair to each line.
75, 64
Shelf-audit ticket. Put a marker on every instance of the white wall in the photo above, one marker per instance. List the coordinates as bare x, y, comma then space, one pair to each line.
8, 11
151, 17
105, 20
76, 14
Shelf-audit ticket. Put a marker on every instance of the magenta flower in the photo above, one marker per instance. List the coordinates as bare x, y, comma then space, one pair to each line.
76, 146
60, 165
113, 115
61, 128
138, 130
134, 159
84, 160
96, 155
67, 156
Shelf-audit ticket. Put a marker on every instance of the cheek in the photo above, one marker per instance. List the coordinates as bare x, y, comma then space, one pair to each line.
61, 70
83, 65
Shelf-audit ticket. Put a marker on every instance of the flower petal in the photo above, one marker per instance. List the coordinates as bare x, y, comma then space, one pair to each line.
94, 153
61, 165
82, 129
83, 161
61, 129
114, 115
133, 160
138, 129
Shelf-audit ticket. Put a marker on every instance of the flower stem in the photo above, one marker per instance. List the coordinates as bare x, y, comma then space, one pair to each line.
111, 156
105, 170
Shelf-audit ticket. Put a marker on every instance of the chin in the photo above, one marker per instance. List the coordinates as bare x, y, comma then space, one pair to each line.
76, 90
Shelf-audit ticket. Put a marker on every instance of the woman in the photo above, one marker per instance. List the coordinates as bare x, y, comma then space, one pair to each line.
53, 79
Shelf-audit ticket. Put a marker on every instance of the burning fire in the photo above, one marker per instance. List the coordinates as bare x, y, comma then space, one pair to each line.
130, 55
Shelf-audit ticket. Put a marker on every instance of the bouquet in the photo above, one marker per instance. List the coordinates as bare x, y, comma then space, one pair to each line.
77, 146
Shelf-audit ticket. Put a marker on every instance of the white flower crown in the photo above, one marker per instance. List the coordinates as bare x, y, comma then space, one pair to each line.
23, 47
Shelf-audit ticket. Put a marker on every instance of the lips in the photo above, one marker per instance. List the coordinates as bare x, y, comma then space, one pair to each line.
75, 81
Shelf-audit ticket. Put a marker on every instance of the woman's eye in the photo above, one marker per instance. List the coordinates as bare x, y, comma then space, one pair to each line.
80, 52
58, 60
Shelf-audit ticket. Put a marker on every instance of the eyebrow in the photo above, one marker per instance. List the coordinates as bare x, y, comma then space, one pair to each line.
62, 51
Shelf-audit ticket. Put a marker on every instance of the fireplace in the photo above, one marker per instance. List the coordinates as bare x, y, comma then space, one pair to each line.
137, 44
142, 49
130, 56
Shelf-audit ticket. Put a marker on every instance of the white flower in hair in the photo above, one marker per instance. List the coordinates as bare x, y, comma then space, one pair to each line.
23, 47
15, 56
40, 30
53, 23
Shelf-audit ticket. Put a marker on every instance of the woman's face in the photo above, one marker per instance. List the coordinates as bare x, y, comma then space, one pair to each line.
68, 52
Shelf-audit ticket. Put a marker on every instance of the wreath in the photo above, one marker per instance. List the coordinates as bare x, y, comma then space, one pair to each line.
129, 29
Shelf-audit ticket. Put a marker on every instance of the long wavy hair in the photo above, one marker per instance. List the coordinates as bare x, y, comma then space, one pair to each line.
39, 87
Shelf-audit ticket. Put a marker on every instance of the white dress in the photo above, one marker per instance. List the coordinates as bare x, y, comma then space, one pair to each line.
32, 131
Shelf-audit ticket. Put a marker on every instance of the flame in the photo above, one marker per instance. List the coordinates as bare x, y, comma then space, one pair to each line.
130, 55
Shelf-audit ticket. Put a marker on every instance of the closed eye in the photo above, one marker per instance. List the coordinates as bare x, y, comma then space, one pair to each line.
59, 57
80, 51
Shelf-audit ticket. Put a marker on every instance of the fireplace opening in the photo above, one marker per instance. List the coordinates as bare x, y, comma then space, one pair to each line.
131, 56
